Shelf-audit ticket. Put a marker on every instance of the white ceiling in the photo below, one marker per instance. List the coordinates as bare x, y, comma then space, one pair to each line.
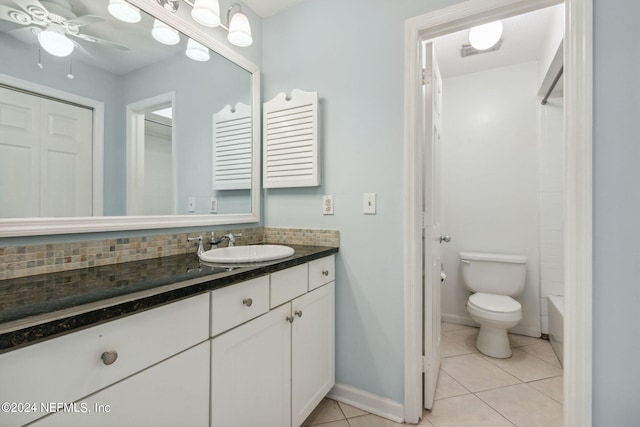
266, 8
524, 38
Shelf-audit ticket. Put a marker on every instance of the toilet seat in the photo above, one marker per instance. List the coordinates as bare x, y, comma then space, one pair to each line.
494, 303
495, 308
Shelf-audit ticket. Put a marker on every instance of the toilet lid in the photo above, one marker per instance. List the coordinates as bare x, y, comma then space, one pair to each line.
494, 303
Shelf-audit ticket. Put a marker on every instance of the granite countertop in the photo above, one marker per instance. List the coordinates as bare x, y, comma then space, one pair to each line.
39, 307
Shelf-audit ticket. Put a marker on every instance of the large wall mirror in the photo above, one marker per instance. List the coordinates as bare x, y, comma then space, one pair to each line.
107, 125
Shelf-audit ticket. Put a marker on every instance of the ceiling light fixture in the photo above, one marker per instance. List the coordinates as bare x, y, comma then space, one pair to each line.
485, 36
124, 11
196, 51
164, 33
53, 40
207, 13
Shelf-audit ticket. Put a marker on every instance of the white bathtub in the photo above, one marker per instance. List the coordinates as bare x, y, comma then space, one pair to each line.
556, 324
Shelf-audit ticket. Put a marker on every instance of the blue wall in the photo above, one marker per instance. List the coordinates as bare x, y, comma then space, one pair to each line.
616, 254
352, 53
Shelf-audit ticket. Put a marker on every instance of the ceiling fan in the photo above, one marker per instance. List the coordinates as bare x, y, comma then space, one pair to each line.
54, 25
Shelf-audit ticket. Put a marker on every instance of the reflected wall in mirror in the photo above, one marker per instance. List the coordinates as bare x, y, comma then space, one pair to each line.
121, 124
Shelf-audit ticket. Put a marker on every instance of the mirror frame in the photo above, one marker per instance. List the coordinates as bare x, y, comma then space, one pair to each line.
18, 227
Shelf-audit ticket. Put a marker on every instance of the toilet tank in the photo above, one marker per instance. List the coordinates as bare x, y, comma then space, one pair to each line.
499, 274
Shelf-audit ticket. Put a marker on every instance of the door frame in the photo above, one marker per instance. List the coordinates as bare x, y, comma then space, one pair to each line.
578, 121
136, 112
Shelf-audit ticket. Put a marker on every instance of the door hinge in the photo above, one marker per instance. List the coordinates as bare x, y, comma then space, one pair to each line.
423, 363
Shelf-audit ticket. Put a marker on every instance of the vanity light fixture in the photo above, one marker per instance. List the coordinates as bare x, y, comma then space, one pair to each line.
164, 33
239, 28
485, 36
124, 11
196, 51
53, 40
207, 13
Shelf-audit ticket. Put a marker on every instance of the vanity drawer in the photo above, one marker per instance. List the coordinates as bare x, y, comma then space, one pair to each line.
288, 284
70, 367
322, 271
238, 303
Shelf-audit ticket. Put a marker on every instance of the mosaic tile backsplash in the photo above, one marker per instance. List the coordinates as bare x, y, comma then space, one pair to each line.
21, 261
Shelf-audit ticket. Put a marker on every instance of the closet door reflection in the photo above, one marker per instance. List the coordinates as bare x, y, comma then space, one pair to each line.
45, 157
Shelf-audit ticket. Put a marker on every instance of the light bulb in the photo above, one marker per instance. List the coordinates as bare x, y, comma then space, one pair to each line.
53, 40
240, 30
485, 36
164, 33
196, 51
206, 12
124, 11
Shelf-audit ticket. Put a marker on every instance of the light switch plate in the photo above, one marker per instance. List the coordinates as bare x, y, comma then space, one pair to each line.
214, 205
192, 204
327, 204
369, 206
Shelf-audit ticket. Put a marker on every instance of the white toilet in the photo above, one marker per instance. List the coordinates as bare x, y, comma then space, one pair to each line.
494, 279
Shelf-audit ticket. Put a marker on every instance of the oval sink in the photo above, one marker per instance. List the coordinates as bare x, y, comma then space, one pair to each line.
246, 254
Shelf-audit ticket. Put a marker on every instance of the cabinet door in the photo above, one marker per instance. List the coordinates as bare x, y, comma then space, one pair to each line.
172, 393
251, 373
313, 350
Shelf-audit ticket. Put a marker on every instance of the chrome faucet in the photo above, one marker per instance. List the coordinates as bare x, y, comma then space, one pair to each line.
200, 245
230, 237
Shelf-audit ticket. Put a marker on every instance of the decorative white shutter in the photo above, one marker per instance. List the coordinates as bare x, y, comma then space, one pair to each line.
232, 148
290, 141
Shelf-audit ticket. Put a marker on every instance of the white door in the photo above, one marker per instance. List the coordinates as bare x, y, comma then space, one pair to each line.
19, 155
251, 373
66, 160
46, 164
313, 354
432, 237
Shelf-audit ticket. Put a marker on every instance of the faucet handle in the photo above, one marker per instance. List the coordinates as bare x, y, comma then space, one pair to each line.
200, 245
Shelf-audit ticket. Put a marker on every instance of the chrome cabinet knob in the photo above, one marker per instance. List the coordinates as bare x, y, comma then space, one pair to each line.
445, 239
247, 302
289, 319
325, 272
109, 357
298, 313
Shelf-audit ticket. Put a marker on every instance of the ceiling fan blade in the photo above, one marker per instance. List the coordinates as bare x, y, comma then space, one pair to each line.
84, 20
33, 7
14, 15
93, 39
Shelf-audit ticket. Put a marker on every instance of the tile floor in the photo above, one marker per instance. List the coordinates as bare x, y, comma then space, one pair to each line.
475, 390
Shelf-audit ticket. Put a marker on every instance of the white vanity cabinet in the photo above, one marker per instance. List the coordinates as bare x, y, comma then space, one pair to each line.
273, 370
174, 392
71, 367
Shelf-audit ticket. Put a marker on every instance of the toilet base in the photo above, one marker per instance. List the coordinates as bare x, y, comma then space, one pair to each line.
493, 342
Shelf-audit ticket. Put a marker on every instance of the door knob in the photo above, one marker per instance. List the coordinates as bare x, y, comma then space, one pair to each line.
445, 239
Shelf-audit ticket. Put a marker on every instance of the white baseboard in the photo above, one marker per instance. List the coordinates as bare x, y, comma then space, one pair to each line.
468, 321
372, 403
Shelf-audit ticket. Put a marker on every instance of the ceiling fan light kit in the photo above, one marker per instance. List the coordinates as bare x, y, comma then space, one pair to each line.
54, 41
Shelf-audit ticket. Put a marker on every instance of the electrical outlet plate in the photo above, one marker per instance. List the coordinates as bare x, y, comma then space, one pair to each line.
327, 204
369, 206
214, 205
